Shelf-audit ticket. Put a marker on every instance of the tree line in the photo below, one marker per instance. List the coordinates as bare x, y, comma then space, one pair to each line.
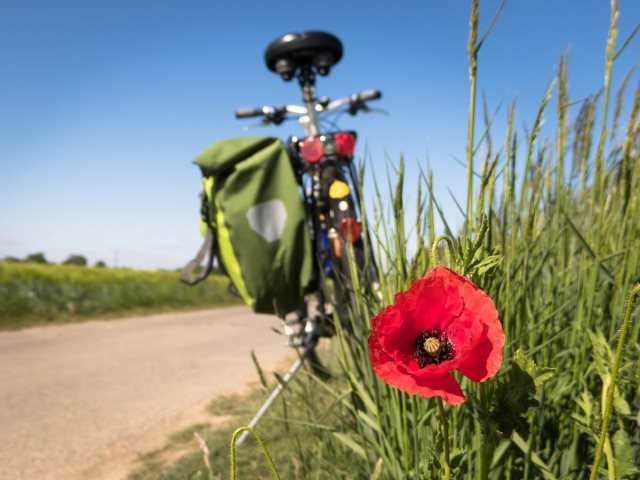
39, 257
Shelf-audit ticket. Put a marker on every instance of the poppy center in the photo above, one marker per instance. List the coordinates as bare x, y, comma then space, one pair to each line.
433, 347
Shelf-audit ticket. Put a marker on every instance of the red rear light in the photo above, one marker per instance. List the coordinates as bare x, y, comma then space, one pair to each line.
345, 143
311, 149
350, 226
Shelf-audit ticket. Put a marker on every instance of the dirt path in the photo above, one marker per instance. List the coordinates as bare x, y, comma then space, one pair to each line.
82, 401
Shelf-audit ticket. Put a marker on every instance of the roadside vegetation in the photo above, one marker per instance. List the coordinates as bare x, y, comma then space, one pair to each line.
552, 235
38, 293
298, 427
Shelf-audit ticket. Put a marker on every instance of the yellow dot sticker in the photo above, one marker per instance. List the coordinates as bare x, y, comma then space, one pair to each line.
338, 189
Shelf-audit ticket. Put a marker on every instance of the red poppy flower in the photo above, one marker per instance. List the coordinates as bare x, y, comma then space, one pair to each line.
442, 323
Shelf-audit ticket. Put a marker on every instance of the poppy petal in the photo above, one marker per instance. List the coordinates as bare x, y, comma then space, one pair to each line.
444, 386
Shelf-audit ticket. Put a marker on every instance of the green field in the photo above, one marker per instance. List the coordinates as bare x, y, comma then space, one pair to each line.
34, 294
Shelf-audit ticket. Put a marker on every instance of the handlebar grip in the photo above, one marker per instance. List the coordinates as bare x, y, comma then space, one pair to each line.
248, 112
369, 95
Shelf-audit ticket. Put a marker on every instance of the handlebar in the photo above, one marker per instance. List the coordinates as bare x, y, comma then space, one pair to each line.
369, 95
248, 112
354, 103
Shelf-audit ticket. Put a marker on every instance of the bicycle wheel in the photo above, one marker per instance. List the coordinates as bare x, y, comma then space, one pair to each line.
346, 249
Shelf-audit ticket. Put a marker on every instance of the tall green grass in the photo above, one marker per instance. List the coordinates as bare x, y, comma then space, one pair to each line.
298, 431
557, 223
33, 294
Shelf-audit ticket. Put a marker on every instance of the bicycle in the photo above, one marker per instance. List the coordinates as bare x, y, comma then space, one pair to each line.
326, 174
330, 187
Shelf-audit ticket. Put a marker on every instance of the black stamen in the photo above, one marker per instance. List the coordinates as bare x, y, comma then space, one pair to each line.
445, 350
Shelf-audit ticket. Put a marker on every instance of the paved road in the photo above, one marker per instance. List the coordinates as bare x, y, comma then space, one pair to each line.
81, 401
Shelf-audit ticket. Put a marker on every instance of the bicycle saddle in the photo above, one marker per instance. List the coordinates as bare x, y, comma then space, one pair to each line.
292, 51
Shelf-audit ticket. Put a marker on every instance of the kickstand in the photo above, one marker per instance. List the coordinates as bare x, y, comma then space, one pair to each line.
277, 391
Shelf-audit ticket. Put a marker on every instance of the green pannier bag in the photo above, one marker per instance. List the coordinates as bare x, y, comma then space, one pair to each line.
254, 222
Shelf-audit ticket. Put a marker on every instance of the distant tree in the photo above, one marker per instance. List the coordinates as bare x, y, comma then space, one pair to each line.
36, 258
79, 260
11, 259
100, 264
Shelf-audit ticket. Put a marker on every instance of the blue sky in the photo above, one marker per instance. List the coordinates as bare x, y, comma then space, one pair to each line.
103, 105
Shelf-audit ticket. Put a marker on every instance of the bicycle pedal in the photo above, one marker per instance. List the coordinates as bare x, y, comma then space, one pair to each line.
293, 326
295, 342
320, 326
294, 329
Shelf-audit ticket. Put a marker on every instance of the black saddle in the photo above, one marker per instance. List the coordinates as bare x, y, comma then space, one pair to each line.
308, 50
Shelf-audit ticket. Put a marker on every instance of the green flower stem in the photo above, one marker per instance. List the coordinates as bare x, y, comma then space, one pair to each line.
445, 440
486, 454
454, 430
484, 437
272, 466
614, 376
434, 249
